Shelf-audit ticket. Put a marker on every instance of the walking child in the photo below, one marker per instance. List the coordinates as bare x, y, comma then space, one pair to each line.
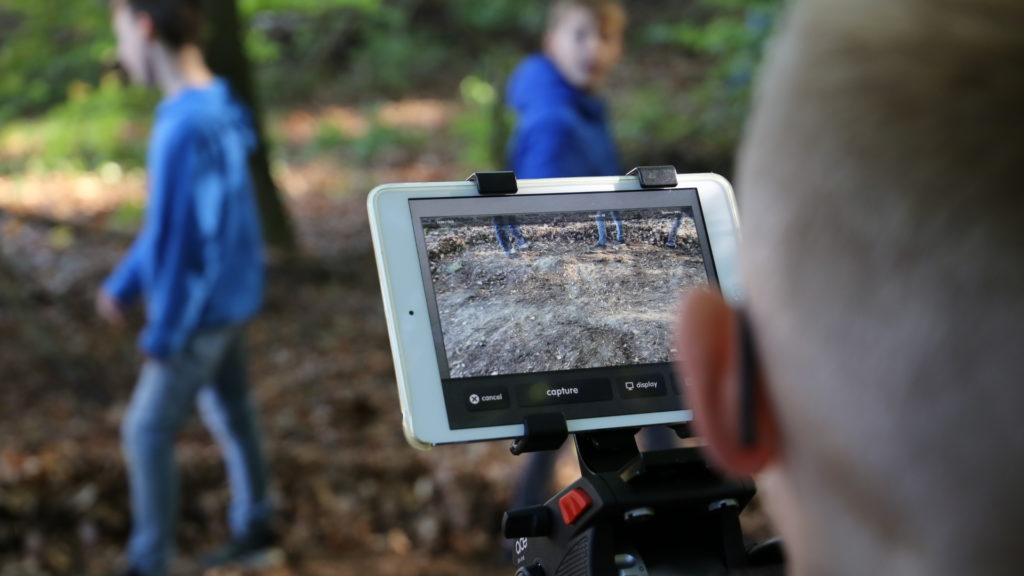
197, 263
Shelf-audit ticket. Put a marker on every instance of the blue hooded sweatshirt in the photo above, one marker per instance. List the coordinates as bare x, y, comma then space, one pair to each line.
198, 259
561, 131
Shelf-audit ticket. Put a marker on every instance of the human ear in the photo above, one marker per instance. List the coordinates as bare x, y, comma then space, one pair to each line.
548, 43
710, 365
146, 26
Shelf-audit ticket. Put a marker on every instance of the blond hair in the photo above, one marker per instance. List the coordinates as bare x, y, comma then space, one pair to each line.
880, 187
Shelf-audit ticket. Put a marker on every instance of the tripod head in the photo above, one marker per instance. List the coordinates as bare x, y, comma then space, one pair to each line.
633, 513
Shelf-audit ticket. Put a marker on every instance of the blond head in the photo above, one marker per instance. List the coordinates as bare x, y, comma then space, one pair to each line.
884, 257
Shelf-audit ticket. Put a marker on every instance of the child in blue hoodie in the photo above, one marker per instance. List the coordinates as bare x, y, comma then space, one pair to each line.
562, 131
561, 126
198, 265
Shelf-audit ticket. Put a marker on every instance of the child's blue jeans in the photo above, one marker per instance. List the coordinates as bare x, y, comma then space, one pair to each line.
507, 223
602, 234
210, 372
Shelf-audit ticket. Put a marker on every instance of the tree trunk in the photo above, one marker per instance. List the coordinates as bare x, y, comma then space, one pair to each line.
227, 58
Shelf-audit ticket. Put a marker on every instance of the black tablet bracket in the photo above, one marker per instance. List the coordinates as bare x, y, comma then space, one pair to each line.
494, 183
599, 451
655, 176
541, 432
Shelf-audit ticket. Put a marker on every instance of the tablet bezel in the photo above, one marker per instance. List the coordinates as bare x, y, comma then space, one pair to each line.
424, 414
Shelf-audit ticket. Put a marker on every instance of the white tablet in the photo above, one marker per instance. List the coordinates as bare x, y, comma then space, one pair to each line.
558, 298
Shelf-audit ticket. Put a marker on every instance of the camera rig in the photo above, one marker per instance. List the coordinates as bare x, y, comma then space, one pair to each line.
630, 513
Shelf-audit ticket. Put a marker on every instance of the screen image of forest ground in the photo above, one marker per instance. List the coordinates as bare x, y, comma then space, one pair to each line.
560, 291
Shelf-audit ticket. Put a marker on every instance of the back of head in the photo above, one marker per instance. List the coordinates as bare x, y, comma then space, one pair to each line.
177, 22
883, 255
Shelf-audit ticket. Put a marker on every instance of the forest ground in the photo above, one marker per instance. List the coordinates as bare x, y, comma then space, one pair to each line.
351, 496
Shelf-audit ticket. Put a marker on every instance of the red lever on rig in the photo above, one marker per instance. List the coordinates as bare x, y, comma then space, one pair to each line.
574, 504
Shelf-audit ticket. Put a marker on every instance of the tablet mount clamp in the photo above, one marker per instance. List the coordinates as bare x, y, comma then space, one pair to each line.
630, 513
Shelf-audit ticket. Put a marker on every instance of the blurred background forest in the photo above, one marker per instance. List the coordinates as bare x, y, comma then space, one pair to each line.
352, 93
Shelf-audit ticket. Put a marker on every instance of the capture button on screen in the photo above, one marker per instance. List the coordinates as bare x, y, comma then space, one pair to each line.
547, 393
642, 386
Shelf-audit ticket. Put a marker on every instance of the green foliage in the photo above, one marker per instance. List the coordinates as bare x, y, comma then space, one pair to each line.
109, 123
395, 59
48, 46
260, 48
498, 15
252, 7
61, 238
59, 109
53, 55
648, 118
379, 142
732, 34
304, 21
474, 127
57, 112
329, 138
366, 49
380, 138
127, 217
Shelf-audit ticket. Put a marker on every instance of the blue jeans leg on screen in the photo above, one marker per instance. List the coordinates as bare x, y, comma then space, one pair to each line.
211, 365
517, 234
499, 233
602, 231
503, 224
675, 230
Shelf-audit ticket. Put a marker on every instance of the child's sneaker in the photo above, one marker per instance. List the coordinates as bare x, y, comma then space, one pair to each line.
253, 549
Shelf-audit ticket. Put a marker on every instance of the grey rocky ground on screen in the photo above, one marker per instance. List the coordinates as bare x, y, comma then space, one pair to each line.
560, 304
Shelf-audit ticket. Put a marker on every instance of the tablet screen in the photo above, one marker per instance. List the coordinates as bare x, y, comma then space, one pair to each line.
559, 302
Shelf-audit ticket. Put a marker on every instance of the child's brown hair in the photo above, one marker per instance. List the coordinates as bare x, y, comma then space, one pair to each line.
177, 22
610, 13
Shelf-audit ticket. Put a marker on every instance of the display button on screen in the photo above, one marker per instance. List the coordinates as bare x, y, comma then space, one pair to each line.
544, 393
490, 398
642, 386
